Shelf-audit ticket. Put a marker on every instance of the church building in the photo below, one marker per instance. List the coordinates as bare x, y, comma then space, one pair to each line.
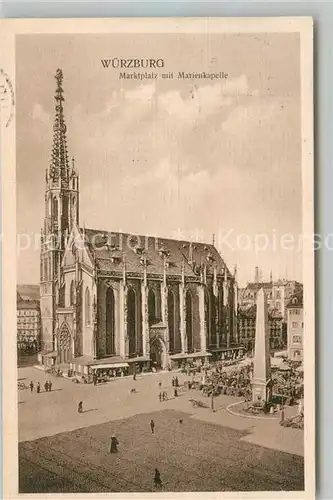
112, 299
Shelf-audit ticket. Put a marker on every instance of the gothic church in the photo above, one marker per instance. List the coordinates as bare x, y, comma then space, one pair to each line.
113, 299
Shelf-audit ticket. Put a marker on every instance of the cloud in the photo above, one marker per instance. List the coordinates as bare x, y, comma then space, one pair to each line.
39, 114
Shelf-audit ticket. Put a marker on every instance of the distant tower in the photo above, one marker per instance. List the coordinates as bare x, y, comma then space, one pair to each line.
61, 213
256, 274
261, 381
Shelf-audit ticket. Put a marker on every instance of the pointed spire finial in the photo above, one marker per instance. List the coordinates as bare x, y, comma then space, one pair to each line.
58, 171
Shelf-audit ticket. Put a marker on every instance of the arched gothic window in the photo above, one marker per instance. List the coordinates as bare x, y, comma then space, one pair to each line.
131, 320
62, 294
151, 306
208, 316
110, 322
189, 321
172, 319
87, 309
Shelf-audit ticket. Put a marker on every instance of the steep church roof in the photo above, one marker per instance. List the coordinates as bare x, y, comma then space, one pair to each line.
110, 249
28, 292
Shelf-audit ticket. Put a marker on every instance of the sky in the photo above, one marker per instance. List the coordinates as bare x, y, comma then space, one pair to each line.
171, 158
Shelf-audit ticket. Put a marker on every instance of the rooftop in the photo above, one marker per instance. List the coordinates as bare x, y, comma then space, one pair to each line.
111, 249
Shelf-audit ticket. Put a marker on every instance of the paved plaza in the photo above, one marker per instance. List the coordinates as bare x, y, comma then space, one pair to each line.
63, 451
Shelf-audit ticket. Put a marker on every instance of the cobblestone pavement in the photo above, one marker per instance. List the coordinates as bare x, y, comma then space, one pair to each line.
190, 455
50, 413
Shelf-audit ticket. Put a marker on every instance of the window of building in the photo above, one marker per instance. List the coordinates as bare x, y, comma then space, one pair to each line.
278, 294
189, 321
297, 339
297, 312
151, 306
294, 324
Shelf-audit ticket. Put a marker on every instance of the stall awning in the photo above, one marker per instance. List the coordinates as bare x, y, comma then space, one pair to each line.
109, 366
139, 359
191, 355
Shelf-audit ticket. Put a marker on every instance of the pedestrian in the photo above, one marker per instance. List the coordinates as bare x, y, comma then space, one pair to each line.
160, 384
134, 376
165, 396
31, 386
80, 407
114, 443
152, 426
160, 397
38, 388
176, 382
157, 479
50, 386
173, 381
175, 392
46, 386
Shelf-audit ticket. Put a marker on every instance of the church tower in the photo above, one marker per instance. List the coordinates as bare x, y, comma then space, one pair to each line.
61, 213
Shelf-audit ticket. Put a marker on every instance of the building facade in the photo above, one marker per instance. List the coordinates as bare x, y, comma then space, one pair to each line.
278, 294
295, 327
114, 297
246, 319
28, 325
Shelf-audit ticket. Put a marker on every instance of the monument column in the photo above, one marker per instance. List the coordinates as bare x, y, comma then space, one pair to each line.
144, 311
261, 387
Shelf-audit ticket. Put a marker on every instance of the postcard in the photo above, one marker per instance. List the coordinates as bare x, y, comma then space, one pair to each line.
158, 260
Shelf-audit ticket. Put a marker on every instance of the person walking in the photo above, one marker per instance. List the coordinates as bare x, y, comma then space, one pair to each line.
114, 443
175, 392
160, 397
46, 386
50, 386
80, 407
157, 479
160, 384
31, 386
176, 382
152, 426
38, 388
173, 381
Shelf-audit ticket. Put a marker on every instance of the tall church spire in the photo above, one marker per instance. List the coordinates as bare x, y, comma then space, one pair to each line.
59, 166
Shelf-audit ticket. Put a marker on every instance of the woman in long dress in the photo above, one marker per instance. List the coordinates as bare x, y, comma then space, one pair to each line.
114, 444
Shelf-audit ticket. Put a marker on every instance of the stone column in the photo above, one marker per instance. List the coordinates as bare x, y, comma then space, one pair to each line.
145, 325
203, 326
226, 309
123, 341
235, 308
164, 306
